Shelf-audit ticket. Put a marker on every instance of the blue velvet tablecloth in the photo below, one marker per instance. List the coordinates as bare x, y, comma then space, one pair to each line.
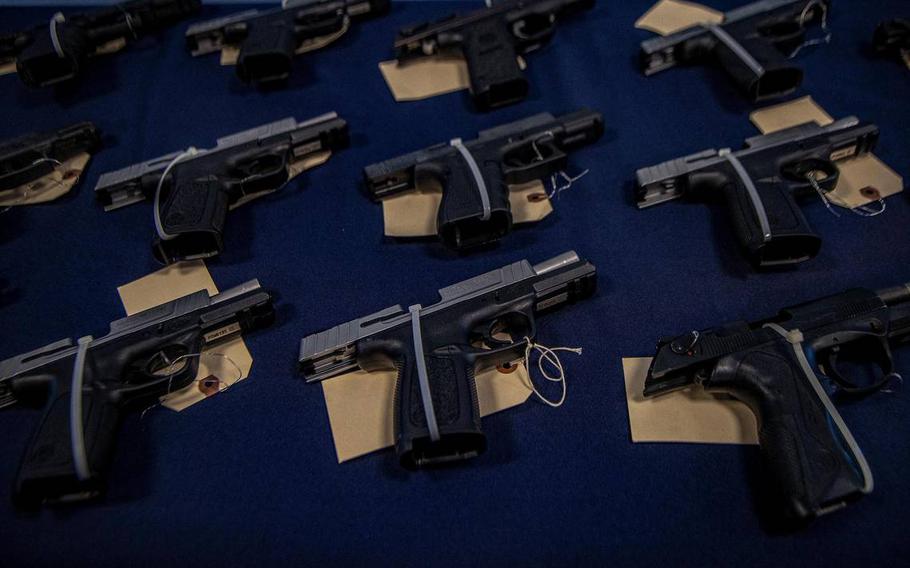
250, 477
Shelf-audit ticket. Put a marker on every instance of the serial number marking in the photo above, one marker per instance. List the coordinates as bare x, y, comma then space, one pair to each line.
555, 300
222, 332
843, 153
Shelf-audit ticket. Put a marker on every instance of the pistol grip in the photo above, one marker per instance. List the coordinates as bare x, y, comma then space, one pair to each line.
790, 239
450, 373
39, 65
758, 67
194, 215
47, 472
495, 78
267, 53
460, 220
804, 445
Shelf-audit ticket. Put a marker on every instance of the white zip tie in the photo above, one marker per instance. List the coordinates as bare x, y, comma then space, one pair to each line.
77, 432
57, 18
549, 355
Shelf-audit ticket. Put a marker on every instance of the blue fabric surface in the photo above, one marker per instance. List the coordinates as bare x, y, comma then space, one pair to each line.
250, 477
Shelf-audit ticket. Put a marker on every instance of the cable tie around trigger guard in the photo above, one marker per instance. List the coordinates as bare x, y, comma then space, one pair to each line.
478, 177
156, 205
795, 338
77, 432
549, 355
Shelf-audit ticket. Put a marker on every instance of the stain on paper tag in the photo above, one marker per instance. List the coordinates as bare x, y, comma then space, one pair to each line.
687, 415
361, 406
863, 180
427, 77
413, 213
219, 366
670, 16
50, 187
295, 168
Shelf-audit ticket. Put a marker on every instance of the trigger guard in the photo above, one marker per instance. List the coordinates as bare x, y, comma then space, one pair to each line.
798, 172
845, 386
494, 343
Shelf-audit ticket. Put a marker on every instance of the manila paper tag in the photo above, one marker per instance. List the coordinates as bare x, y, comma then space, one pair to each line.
413, 213
426, 77
295, 168
670, 16
863, 179
361, 405
687, 415
47, 188
221, 365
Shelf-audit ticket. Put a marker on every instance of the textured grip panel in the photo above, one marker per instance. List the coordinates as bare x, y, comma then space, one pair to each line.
807, 454
267, 53
451, 377
194, 214
460, 221
758, 67
496, 80
47, 472
791, 240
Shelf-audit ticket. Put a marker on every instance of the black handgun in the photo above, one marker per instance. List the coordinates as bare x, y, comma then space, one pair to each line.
753, 45
762, 183
88, 386
770, 365
474, 175
56, 51
892, 39
268, 40
480, 323
193, 190
491, 39
33, 156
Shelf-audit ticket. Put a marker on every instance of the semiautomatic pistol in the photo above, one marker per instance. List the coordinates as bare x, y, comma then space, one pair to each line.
753, 45
268, 40
475, 175
30, 157
478, 324
762, 183
771, 365
491, 39
86, 387
193, 190
57, 51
